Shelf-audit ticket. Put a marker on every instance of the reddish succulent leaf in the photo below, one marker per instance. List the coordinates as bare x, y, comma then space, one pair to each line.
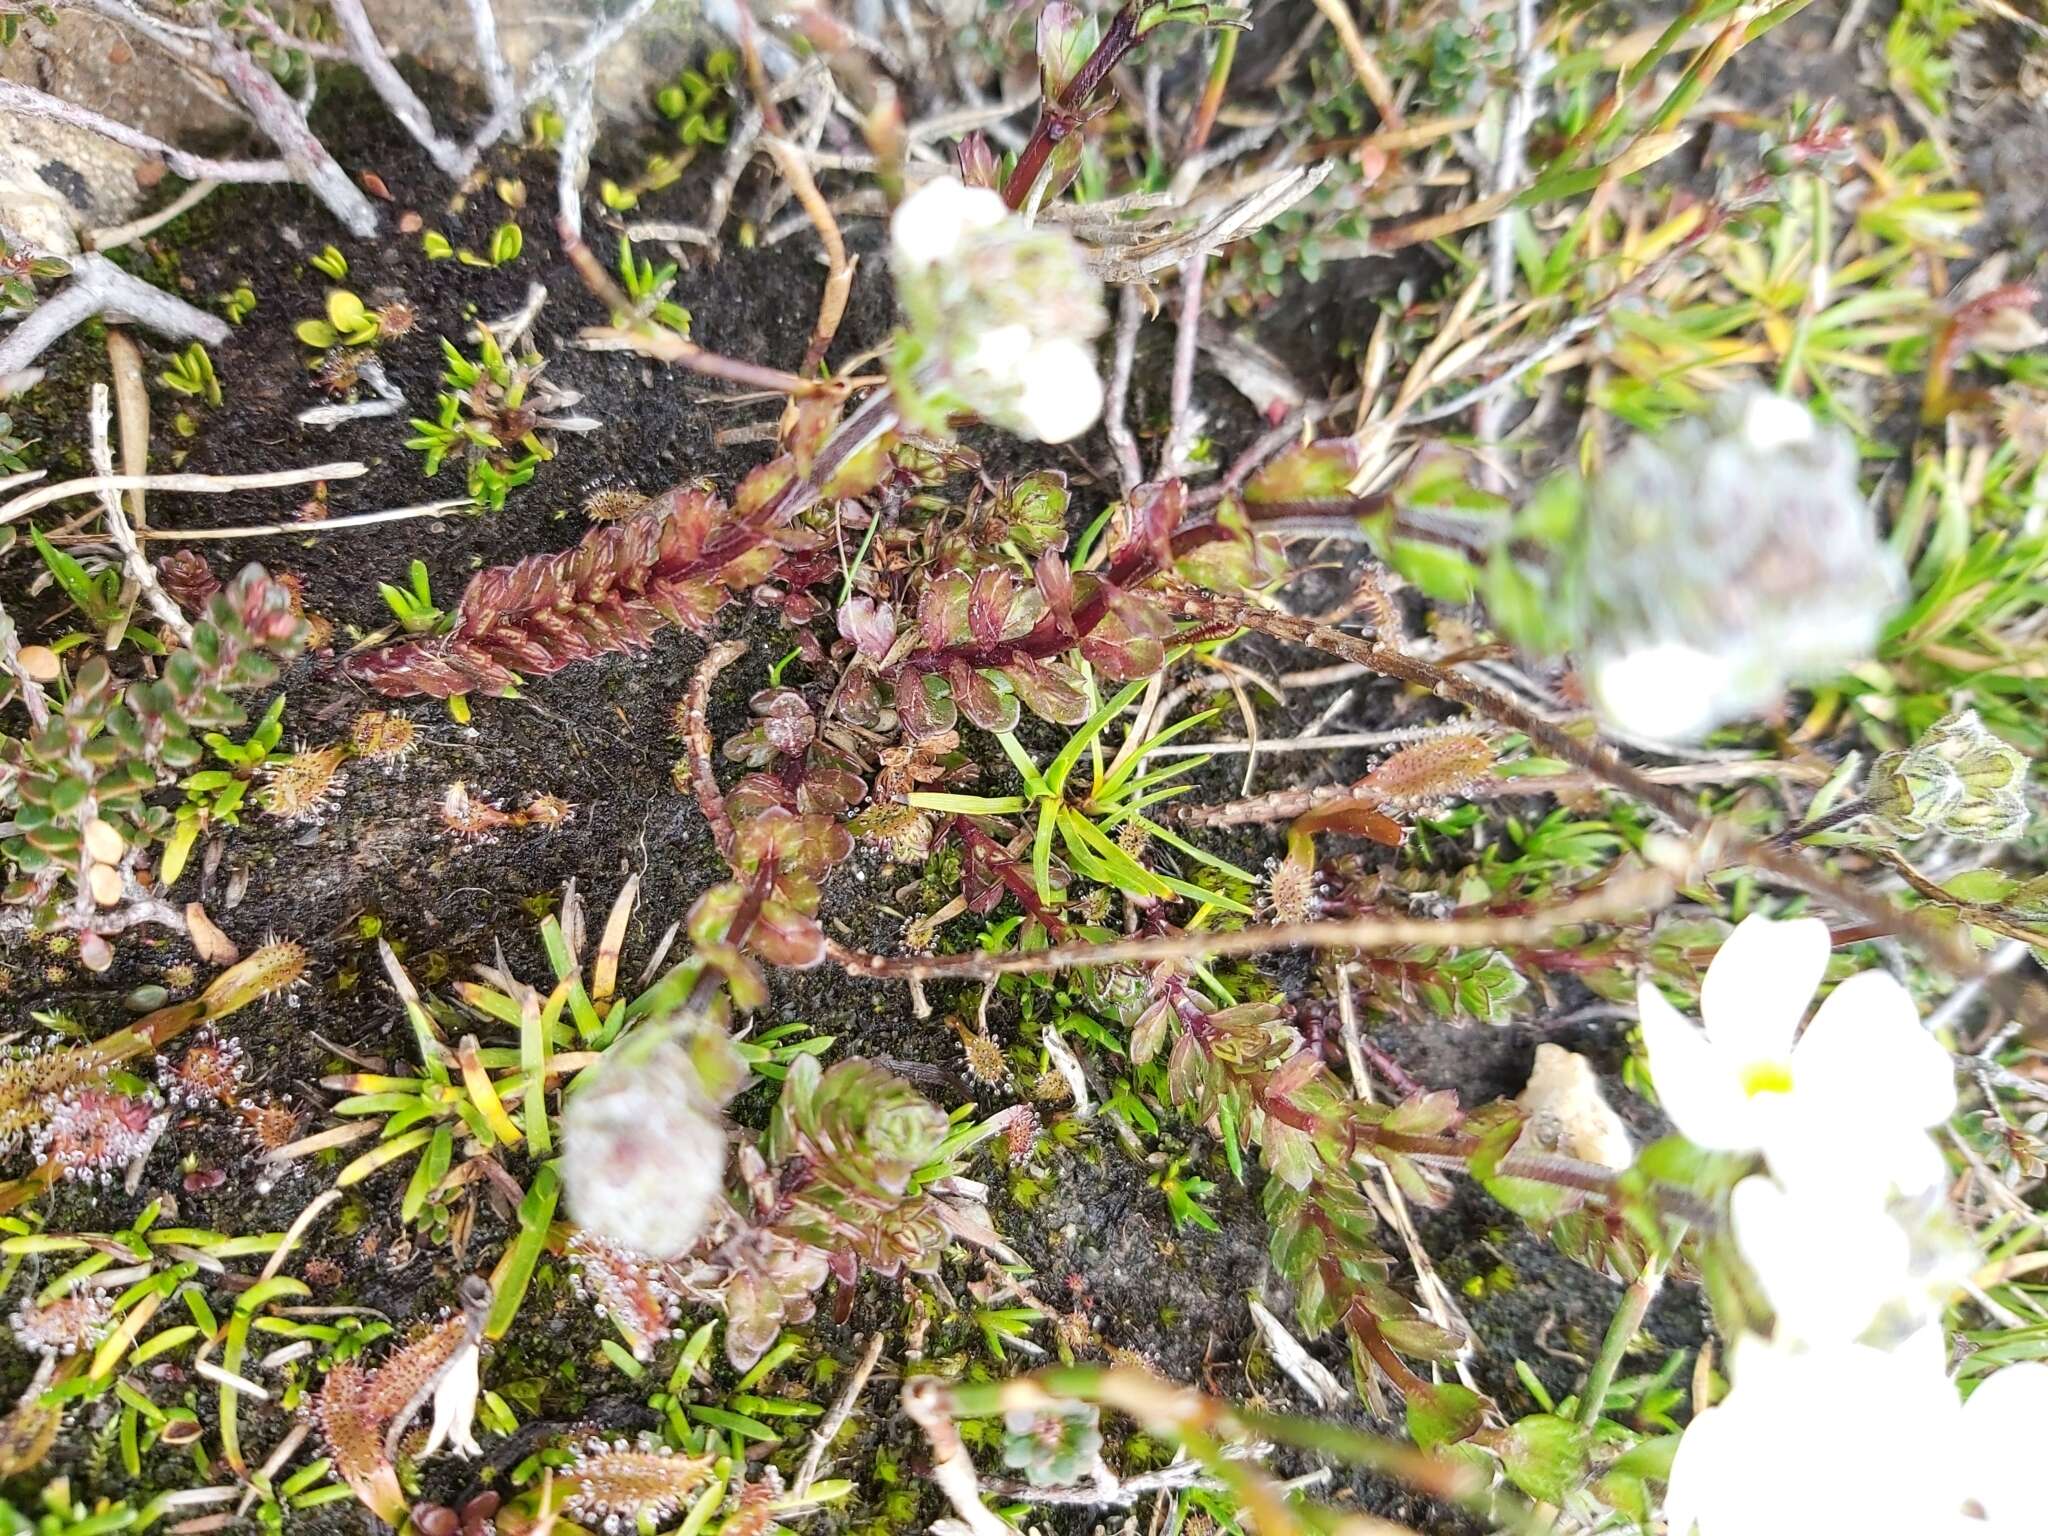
988, 606
942, 615
1049, 689
980, 699
924, 703
781, 935
869, 626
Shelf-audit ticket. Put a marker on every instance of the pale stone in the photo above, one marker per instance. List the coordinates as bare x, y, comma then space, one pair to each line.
1568, 1114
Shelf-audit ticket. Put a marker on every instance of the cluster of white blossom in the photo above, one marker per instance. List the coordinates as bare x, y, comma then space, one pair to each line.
1000, 316
1844, 1417
1723, 560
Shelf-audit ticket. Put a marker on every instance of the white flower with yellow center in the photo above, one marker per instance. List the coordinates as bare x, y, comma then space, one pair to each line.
1844, 1106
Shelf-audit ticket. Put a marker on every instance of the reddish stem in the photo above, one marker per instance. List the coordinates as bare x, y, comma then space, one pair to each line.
1063, 116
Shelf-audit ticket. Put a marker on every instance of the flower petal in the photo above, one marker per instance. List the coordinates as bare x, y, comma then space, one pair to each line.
1712, 1459
1868, 1048
2002, 1430
1699, 1087
1758, 987
1828, 1266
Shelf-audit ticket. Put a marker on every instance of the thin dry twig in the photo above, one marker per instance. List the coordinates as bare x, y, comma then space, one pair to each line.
118, 235
314, 529
133, 563
131, 409
1595, 758
1629, 895
1183, 424
578, 102
839, 266
398, 97
95, 485
663, 345
26, 101
697, 738
98, 287
1371, 77
1130, 468
483, 23
842, 1410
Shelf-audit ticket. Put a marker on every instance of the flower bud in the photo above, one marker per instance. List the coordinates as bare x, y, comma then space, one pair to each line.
1722, 561
1958, 780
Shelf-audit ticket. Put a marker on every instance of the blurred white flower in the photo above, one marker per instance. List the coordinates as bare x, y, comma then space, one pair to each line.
933, 221
2002, 1424
643, 1148
1846, 1108
999, 317
1666, 692
1059, 392
1717, 563
455, 1397
1841, 1438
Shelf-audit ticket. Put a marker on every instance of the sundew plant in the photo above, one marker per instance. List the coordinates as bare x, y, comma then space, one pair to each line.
1155, 767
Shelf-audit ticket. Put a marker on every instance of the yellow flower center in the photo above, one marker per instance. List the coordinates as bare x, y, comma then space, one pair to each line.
1761, 1077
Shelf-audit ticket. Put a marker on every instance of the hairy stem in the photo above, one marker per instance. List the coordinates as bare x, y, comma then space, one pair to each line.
1595, 758
1626, 896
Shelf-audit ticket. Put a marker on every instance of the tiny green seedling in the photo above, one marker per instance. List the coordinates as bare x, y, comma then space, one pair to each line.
239, 304
191, 373
1184, 1195
1115, 794
413, 604
97, 593
648, 286
436, 245
506, 243
446, 433
699, 102
348, 324
331, 262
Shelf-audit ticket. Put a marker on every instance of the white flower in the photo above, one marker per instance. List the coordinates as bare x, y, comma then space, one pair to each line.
643, 1152
1845, 1108
1669, 691
1844, 1438
2002, 1424
1721, 561
1770, 422
455, 1397
998, 316
1059, 394
931, 224
998, 352
1838, 1270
